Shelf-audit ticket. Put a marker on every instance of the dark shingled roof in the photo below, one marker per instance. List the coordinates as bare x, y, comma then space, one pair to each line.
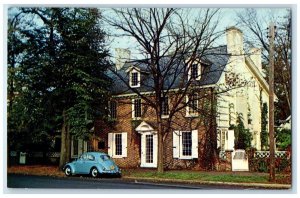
214, 62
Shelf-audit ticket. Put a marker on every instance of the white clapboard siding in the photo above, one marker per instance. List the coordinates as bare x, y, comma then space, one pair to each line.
194, 143
176, 144
124, 144
230, 140
110, 144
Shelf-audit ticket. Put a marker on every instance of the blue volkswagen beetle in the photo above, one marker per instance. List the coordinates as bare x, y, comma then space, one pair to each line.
94, 164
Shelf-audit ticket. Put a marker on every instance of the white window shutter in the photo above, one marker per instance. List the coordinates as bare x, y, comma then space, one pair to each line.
230, 140
155, 148
124, 144
176, 144
194, 143
143, 150
110, 144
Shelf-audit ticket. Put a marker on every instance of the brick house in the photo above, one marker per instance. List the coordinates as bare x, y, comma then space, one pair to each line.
131, 140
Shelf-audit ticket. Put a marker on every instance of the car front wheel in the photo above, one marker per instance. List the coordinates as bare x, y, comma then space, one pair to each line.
68, 171
94, 172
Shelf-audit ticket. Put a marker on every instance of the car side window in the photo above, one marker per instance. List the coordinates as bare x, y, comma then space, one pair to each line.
91, 158
104, 157
81, 157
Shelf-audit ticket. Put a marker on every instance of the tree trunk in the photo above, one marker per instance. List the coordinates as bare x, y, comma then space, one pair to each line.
213, 131
63, 149
160, 160
68, 143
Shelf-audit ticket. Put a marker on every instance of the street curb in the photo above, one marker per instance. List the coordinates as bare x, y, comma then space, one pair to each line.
257, 185
196, 182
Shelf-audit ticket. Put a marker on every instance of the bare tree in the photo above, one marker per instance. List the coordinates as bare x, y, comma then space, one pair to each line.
257, 35
171, 40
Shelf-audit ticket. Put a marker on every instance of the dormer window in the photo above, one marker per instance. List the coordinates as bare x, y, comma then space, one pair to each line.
135, 78
195, 72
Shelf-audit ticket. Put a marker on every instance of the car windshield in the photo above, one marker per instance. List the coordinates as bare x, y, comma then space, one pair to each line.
104, 157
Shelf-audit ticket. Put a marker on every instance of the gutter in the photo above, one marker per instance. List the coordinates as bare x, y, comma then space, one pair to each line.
153, 92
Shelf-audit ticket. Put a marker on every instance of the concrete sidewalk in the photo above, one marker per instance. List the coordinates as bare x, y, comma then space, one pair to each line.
251, 185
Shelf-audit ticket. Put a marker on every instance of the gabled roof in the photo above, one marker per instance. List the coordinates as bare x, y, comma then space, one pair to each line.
213, 60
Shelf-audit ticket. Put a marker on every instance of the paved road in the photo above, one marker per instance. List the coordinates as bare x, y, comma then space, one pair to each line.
25, 181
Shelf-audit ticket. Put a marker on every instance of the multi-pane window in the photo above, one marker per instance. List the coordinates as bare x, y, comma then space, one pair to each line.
193, 104
118, 144
149, 148
134, 79
137, 108
90, 147
165, 106
186, 143
194, 71
113, 109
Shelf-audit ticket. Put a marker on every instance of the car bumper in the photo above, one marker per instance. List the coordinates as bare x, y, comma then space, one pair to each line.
110, 172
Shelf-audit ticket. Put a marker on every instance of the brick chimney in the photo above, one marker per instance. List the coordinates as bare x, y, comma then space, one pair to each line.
234, 41
122, 55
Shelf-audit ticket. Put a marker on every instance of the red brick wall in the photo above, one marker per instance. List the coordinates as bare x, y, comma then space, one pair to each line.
125, 123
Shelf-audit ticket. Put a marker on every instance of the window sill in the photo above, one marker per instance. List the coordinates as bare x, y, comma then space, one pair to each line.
186, 158
136, 86
191, 115
136, 118
117, 156
164, 116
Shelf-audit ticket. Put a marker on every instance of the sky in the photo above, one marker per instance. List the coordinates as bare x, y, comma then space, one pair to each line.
228, 19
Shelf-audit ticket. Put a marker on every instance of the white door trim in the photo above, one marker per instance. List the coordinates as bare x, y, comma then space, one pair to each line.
143, 150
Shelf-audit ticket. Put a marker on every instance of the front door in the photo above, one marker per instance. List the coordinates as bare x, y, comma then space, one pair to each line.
149, 150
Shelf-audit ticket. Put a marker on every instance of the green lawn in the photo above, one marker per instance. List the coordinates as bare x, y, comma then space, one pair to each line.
202, 176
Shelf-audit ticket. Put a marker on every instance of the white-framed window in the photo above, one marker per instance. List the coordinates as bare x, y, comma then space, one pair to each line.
136, 108
78, 146
113, 109
192, 105
185, 144
165, 107
117, 145
195, 71
135, 78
